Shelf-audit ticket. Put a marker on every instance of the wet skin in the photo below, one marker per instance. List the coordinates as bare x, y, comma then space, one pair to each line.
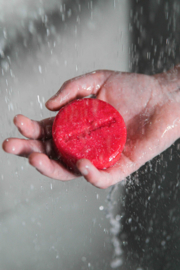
150, 106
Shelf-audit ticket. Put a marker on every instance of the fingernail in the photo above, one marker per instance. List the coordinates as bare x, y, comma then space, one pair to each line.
84, 170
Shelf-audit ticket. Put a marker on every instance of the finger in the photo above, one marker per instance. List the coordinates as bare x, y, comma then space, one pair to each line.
34, 129
106, 178
50, 168
24, 148
85, 85
97, 178
122, 169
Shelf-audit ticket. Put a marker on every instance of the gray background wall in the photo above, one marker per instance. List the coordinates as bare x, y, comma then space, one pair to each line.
46, 224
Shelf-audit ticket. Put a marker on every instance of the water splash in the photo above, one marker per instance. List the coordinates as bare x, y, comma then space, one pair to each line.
117, 260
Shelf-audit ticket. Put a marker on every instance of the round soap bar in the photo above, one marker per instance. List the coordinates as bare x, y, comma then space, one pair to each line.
89, 128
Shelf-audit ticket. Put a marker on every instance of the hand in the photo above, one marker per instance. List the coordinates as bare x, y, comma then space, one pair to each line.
150, 106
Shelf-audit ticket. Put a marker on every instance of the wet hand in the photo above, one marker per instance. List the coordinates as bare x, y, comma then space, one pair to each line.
38, 148
150, 106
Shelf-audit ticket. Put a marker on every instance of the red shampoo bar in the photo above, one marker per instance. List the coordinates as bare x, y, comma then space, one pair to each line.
89, 128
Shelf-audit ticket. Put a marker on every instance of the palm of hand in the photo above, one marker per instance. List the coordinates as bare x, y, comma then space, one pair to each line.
152, 115
150, 111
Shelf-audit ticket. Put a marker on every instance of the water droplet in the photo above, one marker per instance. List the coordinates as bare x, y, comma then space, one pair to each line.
163, 243
40, 69
116, 263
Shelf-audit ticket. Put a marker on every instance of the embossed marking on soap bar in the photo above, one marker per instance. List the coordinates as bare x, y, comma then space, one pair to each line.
91, 127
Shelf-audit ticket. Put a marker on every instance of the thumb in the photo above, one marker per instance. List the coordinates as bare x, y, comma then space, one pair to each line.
79, 87
97, 178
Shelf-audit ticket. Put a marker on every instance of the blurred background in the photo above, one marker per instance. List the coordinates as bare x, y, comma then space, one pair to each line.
46, 224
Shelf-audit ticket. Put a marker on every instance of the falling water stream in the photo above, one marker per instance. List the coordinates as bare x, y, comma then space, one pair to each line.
46, 224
